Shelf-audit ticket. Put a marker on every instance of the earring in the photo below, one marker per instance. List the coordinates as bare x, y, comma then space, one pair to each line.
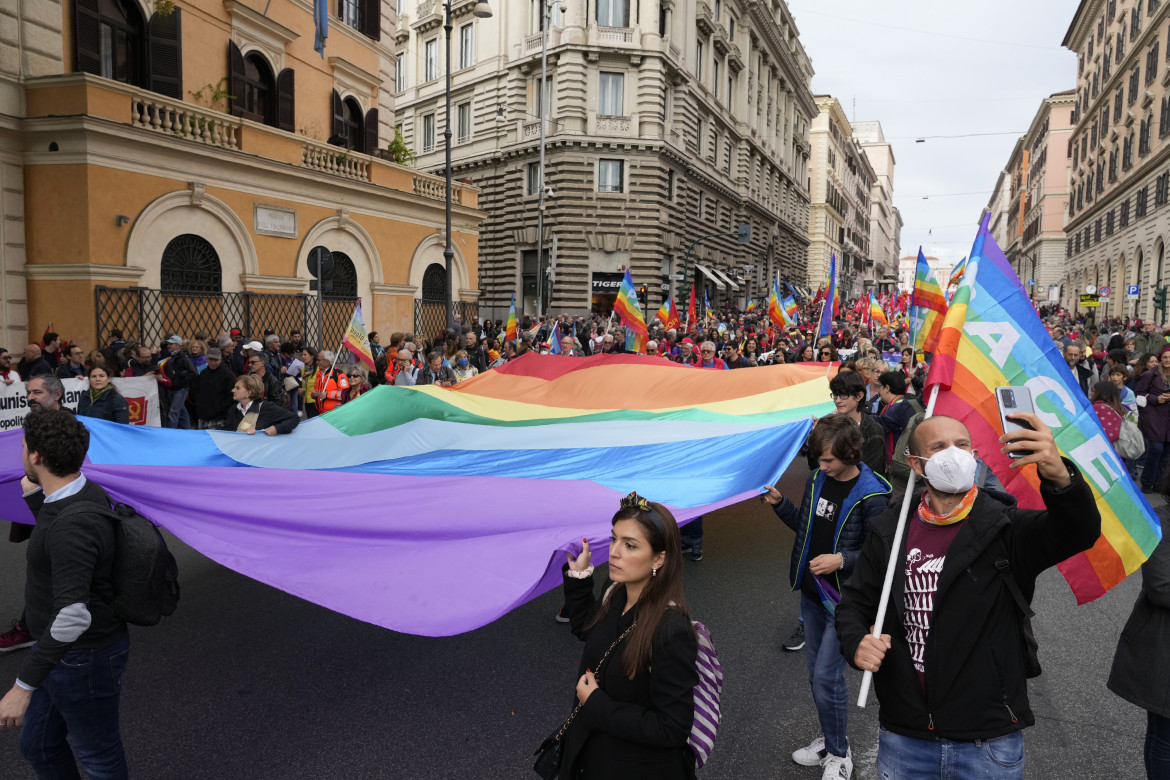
654, 572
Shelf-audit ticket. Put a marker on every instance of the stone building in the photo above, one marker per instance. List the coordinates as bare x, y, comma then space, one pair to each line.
170, 169
1118, 211
1031, 200
666, 122
908, 267
885, 221
841, 178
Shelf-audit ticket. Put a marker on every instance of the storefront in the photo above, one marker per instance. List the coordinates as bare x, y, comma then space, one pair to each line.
605, 290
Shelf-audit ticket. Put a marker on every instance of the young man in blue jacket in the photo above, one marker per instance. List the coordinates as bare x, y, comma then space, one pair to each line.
841, 497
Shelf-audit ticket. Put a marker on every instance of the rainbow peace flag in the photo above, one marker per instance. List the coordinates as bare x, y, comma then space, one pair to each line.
992, 337
957, 273
776, 309
512, 329
582, 432
829, 310
629, 311
668, 315
357, 340
791, 308
876, 313
707, 312
750, 307
927, 307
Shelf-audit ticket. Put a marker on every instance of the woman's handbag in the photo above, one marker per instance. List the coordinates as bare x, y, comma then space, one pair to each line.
1130, 442
548, 755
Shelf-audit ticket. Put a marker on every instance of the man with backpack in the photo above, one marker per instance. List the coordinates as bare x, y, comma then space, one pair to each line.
951, 672
69, 686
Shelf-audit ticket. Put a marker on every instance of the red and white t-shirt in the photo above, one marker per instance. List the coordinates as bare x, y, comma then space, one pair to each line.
926, 551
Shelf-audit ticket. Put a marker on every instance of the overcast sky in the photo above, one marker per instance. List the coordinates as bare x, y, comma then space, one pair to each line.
917, 82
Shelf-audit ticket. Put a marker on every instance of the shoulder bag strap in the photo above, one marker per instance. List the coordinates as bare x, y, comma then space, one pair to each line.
597, 673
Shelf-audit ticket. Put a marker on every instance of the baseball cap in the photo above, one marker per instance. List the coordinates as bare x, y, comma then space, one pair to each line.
255, 346
687, 341
214, 353
174, 339
235, 332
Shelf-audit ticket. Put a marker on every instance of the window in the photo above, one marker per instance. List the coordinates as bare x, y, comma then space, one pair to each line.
532, 178
119, 41
612, 94
1162, 189
1118, 99
1127, 153
1120, 48
730, 91
1109, 223
1113, 164
718, 9
258, 102
400, 74
467, 46
190, 265
613, 13
351, 125
1134, 80
610, 174
431, 60
1139, 206
343, 279
1144, 136
699, 60
715, 78
434, 283
428, 132
1164, 117
1135, 21
1152, 63
670, 185
699, 136
463, 121
1097, 231
731, 27
1124, 218
350, 12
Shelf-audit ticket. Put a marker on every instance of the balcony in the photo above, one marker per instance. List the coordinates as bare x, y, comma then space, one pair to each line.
735, 59
59, 99
612, 35
704, 19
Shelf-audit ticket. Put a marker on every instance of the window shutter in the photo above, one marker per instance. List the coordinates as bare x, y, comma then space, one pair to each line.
87, 53
285, 101
339, 119
235, 80
166, 54
372, 19
371, 131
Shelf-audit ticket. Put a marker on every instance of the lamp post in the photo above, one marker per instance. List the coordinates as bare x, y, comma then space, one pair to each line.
481, 11
545, 24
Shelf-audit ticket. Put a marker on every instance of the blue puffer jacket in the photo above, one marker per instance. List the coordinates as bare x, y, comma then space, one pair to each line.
868, 499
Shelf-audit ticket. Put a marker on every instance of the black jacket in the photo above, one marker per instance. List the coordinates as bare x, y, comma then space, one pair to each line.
212, 392
631, 729
110, 405
179, 369
477, 358
274, 389
69, 562
30, 368
975, 681
269, 414
1140, 674
69, 371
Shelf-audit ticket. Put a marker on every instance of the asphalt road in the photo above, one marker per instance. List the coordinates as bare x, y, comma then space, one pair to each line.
246, 682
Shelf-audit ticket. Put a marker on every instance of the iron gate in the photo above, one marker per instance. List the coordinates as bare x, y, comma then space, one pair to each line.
149, 316
430, 319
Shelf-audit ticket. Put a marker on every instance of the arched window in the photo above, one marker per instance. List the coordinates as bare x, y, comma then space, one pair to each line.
191, 265
119, 41
343, 280
434, 286
259, 90
351, 123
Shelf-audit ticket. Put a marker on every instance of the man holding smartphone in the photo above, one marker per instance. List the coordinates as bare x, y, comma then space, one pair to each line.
951, 674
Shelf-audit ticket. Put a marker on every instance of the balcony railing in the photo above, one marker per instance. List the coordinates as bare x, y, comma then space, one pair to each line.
183, 120
335, 160
615, 34
533, 42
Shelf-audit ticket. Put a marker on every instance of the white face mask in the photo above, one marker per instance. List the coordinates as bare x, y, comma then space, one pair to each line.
950, 471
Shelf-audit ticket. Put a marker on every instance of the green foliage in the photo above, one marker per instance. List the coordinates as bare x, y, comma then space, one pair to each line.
213, 95
399, 149
164, 7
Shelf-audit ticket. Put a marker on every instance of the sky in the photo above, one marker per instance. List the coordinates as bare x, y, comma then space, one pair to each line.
918, 83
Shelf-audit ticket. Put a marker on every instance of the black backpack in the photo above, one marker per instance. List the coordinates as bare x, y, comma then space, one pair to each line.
145, 574
1031, 648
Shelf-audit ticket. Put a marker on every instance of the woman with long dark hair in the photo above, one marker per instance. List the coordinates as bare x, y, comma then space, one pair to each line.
637, 675
1154, 420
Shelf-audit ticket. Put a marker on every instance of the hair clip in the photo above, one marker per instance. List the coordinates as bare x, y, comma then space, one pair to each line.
634, 501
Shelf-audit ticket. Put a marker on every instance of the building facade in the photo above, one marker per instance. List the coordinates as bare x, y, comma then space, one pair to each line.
1033, 204
666, 122
841, 180
885, 221
1118, 219
908, 267
171, 168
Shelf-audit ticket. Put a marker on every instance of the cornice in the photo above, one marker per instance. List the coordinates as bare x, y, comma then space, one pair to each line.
767, 26
348, 75
258, 25
260, 281
89, 272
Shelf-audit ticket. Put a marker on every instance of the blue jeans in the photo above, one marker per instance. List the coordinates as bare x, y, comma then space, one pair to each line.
826, 674
1156, 462
78, 699
179, 418
906, 758
1157, 752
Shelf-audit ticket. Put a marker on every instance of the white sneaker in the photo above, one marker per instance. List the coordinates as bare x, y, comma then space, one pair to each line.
837, 767
812, 755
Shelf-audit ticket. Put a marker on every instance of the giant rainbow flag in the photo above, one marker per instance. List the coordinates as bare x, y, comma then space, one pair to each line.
992, 337
435, 510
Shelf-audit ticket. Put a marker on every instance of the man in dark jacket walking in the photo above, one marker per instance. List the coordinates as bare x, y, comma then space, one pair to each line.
951, 673
177, 373
213, 392
841, 497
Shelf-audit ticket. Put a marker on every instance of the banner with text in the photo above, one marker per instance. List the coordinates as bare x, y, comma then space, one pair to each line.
140, 392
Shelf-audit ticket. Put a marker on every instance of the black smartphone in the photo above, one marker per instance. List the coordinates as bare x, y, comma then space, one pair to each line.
1012, 400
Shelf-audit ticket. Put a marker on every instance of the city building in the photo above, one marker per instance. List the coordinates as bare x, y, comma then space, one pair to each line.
1118, 212
665, 123
885, 221
169, 167
908, 267
1031, 199
841, 179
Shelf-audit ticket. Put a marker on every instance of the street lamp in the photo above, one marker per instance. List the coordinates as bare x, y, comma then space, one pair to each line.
547, 22
481, 11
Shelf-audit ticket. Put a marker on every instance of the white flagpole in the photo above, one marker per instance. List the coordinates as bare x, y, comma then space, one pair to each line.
895, 560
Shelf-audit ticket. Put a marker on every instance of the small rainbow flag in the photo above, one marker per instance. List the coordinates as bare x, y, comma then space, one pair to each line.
928, 306
357, 340
629, 311
829, 310
513, 329
876, 313
775, 309
668, 315
750, 307
707, 307
791, 308
992, 337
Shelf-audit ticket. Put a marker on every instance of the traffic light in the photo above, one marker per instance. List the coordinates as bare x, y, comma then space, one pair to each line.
642, 295
1160, 298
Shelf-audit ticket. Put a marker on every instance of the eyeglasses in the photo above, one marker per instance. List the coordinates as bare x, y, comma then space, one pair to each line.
254, 362
708, 352
841, 396
355, 376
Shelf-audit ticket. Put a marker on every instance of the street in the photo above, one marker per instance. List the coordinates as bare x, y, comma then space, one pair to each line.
245, 681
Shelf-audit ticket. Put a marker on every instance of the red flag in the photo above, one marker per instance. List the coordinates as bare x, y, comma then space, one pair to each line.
692, 315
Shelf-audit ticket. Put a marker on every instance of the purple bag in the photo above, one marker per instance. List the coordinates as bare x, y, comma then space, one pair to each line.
706, 723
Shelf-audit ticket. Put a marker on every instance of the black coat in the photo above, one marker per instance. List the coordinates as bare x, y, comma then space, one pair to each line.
975, 680
110, 405
1140, 674
212, 392
269, 414
631, 729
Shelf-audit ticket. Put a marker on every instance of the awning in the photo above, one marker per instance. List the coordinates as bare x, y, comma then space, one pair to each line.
710, 275
725, 278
